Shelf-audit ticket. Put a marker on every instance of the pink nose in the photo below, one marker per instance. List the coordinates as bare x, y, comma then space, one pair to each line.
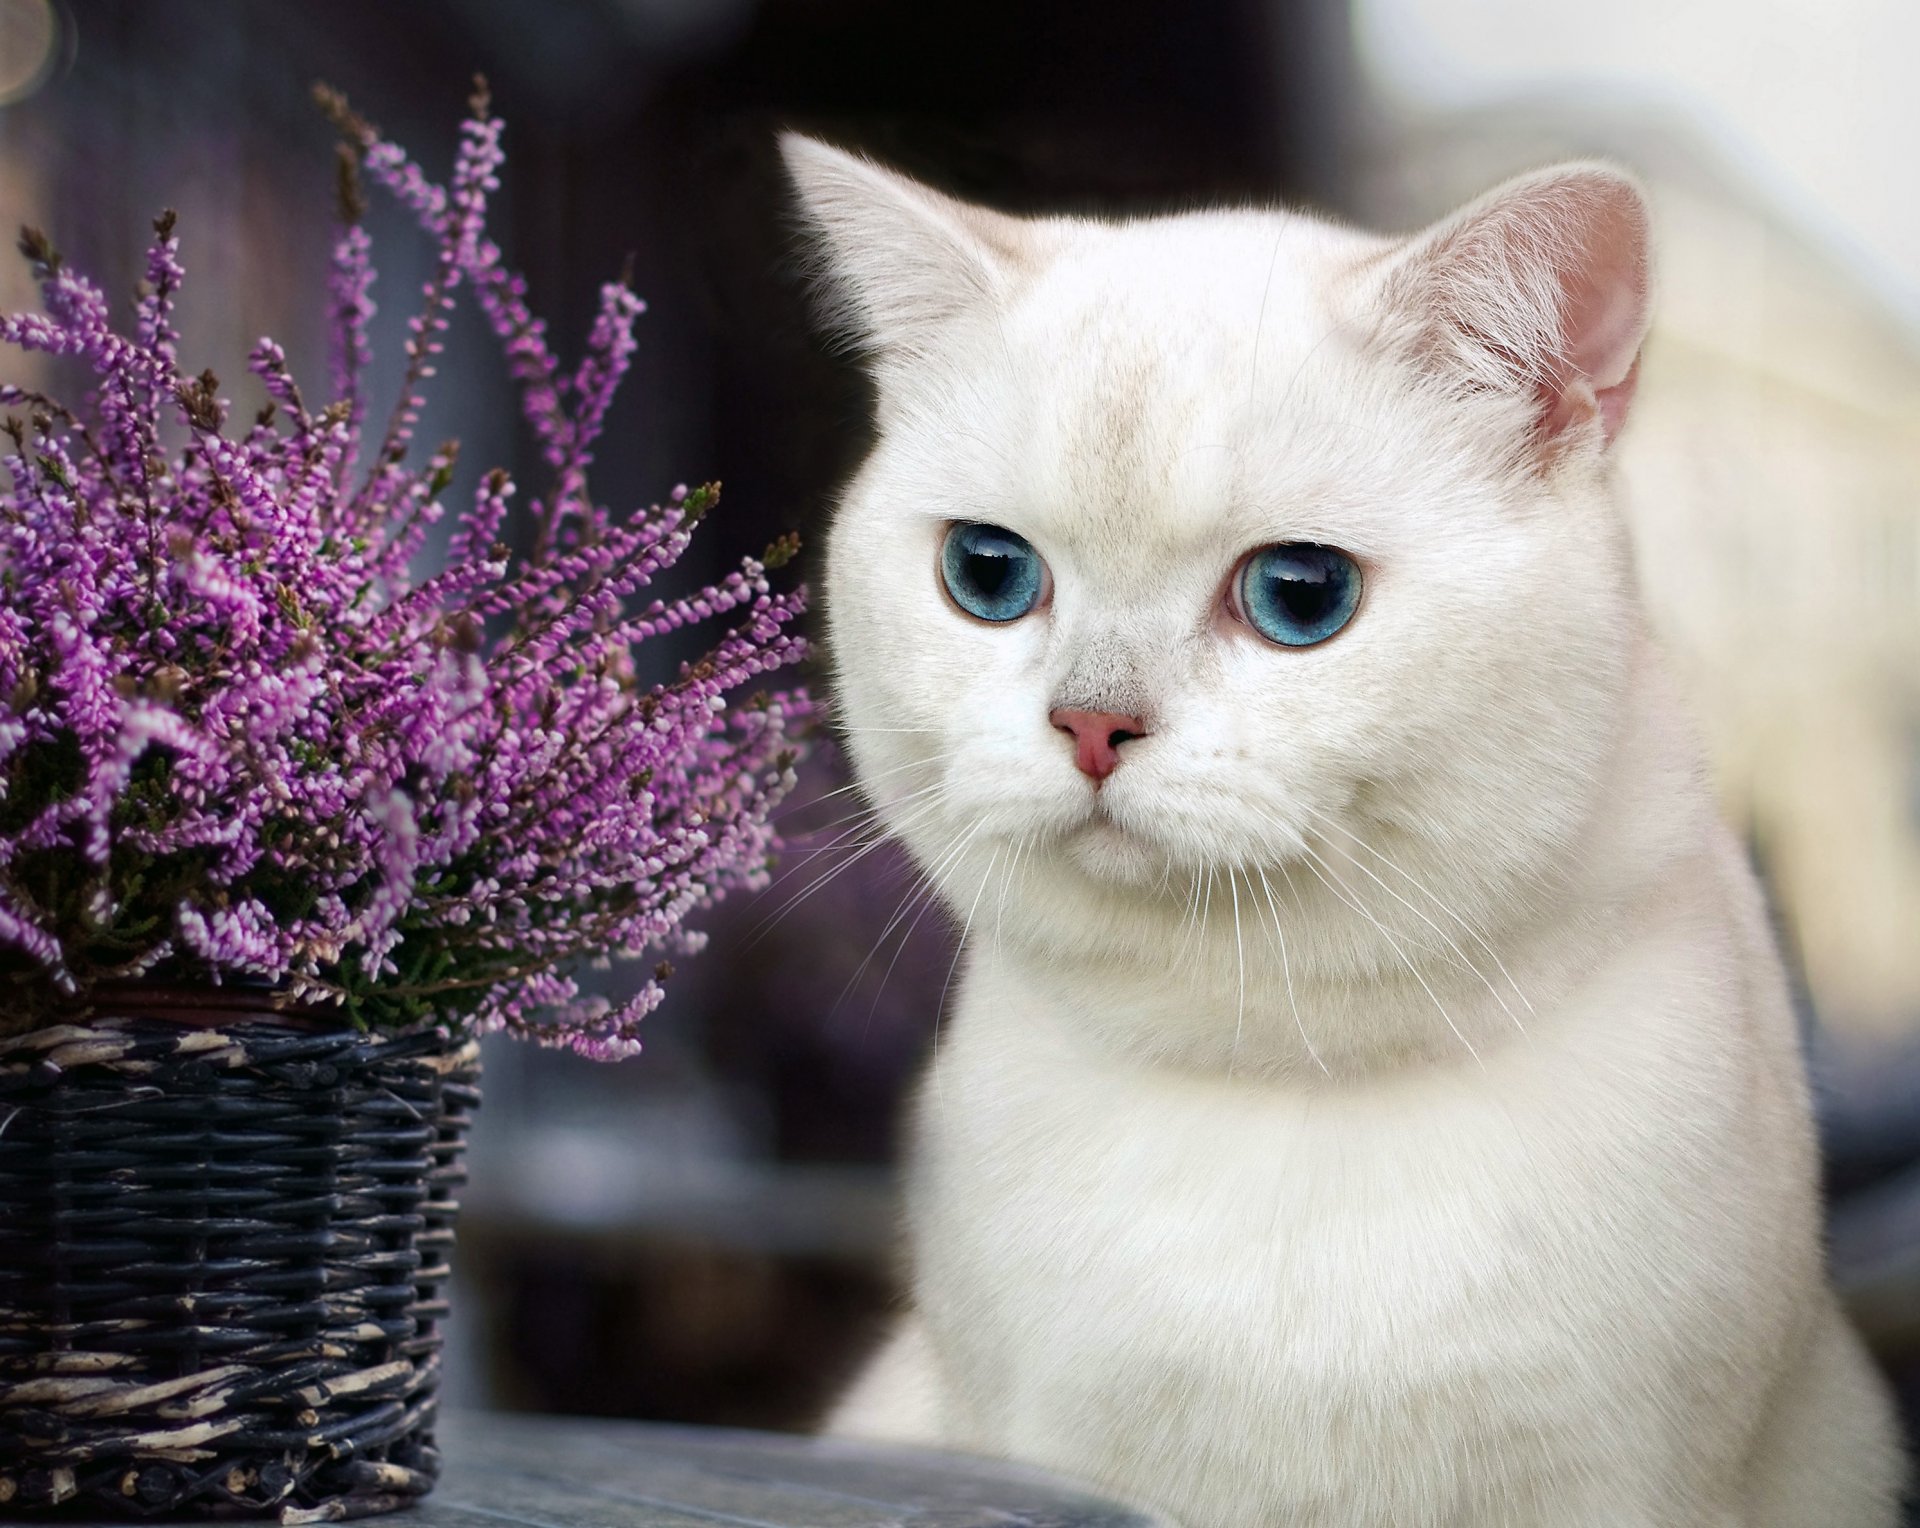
1097, 736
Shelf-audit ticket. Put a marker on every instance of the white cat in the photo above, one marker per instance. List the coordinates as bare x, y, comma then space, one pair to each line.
1371, 1096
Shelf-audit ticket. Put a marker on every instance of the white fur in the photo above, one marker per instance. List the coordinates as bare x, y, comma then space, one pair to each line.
1378, 1103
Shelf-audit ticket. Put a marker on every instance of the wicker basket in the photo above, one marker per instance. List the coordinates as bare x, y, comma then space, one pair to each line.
224, 1238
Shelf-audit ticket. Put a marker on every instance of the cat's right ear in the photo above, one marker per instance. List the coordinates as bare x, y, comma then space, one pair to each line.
901, 261
1540, 288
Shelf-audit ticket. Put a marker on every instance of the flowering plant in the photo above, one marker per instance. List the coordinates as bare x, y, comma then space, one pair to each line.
240, 740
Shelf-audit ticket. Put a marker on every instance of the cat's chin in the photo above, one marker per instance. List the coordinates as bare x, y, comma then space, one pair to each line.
1103, 850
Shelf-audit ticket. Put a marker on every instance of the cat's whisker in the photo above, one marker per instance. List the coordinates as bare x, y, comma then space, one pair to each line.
1286, 970
1485, 981
1470, 930
925, 897
1240, 967
1025, 863
928, 900
939, 1012
875, 811
916, 901
862, 785
1200, 942
1165, 883
927, 798
1190, 904
1345, 894
1006, 885
1293, 891
1313, 863
1193, 939
855, 854
843, 829
966, 928
848, 838
797, 860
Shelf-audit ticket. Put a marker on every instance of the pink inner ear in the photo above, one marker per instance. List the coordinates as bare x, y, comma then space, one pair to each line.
1603, 312
1599, 251
1547, 280
1575, 400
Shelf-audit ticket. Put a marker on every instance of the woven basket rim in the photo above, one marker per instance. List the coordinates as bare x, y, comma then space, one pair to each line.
232, 1038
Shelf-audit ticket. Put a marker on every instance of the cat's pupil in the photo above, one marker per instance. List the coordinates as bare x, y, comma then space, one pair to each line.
989, 571
1305, 594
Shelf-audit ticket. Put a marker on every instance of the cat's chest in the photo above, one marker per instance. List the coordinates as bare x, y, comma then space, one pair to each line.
1172, 1212
1122, 1267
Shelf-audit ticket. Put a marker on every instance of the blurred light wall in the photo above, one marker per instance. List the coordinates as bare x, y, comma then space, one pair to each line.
1810, 102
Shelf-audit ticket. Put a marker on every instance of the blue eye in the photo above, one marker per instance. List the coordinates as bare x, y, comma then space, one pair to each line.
1298, 593
991, 573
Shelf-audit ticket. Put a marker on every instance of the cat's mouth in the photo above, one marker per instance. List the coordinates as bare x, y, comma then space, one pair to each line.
1108, 849
1100, 820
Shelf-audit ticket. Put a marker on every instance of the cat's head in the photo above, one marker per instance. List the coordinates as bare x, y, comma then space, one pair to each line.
1232, 549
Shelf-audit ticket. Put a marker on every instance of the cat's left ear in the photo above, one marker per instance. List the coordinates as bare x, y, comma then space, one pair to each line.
902, 260
1541, 287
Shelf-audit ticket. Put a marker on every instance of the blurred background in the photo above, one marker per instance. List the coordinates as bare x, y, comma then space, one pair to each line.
706, 1234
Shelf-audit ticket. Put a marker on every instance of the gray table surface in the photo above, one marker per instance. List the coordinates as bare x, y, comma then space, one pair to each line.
549, 1472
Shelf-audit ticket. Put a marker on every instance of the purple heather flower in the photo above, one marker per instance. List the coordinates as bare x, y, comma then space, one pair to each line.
242, 738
